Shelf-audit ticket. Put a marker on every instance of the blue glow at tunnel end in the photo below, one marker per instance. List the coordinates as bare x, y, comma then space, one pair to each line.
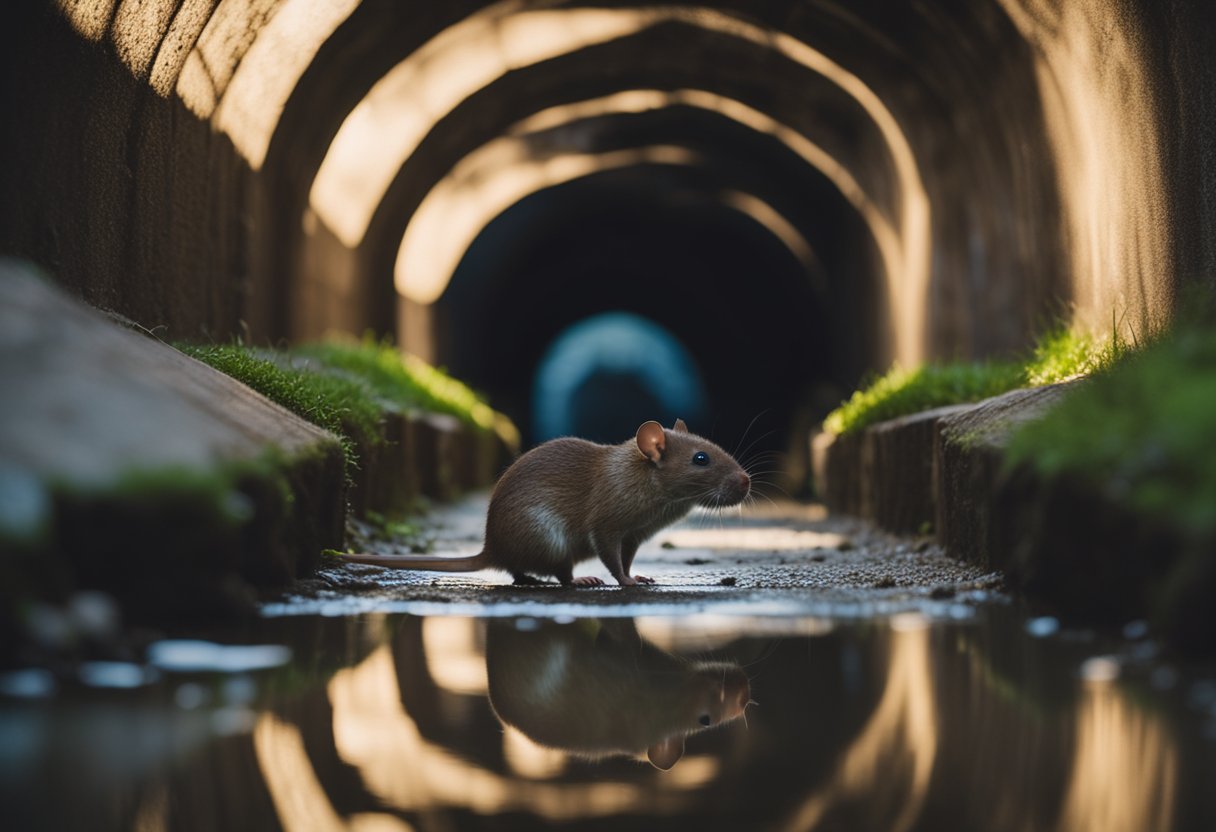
620, 345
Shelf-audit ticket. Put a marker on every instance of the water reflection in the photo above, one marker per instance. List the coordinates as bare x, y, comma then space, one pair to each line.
1124, 773
596, 688
887, 767
399, 722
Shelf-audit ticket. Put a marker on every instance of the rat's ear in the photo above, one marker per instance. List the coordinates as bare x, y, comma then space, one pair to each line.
679, 426
652, 441
666, 753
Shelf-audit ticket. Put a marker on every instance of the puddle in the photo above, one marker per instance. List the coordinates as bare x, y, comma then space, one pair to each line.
393, 721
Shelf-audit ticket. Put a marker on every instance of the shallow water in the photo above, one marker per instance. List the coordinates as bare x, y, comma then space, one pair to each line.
397, 721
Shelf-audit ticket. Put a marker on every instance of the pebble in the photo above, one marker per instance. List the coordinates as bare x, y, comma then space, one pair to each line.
194, 656
31, 683
1135, 629
1043, 626
121, 675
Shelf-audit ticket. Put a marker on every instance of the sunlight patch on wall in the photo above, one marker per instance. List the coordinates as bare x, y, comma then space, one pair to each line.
225, 39
139, 27
178, 44
482, 186
88, 17
235, 62
250, 109
495, 176
777, 225
387, 126
247, 61
1102, 122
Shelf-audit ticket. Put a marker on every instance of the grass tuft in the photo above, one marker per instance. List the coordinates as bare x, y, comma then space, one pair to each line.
407, 382
1059, 355
1141, 432
900, 392
343, 406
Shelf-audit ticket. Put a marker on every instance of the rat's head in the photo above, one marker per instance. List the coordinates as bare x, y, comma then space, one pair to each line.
714, 694
691, 467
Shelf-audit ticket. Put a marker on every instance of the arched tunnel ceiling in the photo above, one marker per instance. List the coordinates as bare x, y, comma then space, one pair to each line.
573, 55
1016, 149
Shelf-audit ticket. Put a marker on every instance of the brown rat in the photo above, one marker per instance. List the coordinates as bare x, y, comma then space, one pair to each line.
569, 500
596, 688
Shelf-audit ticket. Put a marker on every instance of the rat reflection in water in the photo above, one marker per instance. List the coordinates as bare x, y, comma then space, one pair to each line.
595, 688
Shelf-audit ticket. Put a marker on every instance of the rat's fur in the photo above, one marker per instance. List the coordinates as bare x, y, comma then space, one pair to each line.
570, 500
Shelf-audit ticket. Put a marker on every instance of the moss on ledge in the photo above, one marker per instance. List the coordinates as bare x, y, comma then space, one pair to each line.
1136, 445
1058, 355
406, 382
341, 405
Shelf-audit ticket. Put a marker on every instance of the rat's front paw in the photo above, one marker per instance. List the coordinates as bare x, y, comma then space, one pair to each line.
642, 579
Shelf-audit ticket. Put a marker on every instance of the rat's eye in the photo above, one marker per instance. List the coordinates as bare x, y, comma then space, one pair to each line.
704, 720
700, 458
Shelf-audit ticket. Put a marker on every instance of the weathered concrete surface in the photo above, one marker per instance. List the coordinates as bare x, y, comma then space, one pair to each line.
968, 457
897, 489
836, 468
787, 558
137, 468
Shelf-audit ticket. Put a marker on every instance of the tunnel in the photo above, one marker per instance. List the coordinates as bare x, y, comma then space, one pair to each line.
795, 193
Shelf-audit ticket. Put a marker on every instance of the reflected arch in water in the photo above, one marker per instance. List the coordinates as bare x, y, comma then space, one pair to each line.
605, 375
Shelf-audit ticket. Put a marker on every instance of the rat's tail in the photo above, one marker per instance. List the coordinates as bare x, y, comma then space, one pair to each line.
471, 564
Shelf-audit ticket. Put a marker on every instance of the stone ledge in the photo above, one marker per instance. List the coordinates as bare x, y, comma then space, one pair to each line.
137, 469
129, 466
884, 473
968, 458
897, 471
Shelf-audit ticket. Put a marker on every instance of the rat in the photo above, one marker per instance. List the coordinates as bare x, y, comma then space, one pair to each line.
596, 688
569, 500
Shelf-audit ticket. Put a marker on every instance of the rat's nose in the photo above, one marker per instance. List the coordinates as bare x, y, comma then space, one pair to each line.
745, 482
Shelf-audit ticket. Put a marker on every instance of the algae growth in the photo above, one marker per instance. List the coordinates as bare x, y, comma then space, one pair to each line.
1059, 354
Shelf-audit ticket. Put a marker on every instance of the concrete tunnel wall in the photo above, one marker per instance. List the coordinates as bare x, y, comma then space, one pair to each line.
1020, 157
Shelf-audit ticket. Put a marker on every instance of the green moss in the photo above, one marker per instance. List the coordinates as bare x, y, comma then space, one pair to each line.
343, 405
1060, 354
1141, 432
406, 382
900, 392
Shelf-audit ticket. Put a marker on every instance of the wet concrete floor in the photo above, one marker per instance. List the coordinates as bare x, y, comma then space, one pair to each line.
770, 559
790, 671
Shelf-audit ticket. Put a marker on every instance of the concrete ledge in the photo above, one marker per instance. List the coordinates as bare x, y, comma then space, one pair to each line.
884, 473
1063, 541
836, 467
897, 471
129, 466
968, 456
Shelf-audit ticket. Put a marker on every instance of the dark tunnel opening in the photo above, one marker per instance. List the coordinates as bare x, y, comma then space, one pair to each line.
607, 374
647, 241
